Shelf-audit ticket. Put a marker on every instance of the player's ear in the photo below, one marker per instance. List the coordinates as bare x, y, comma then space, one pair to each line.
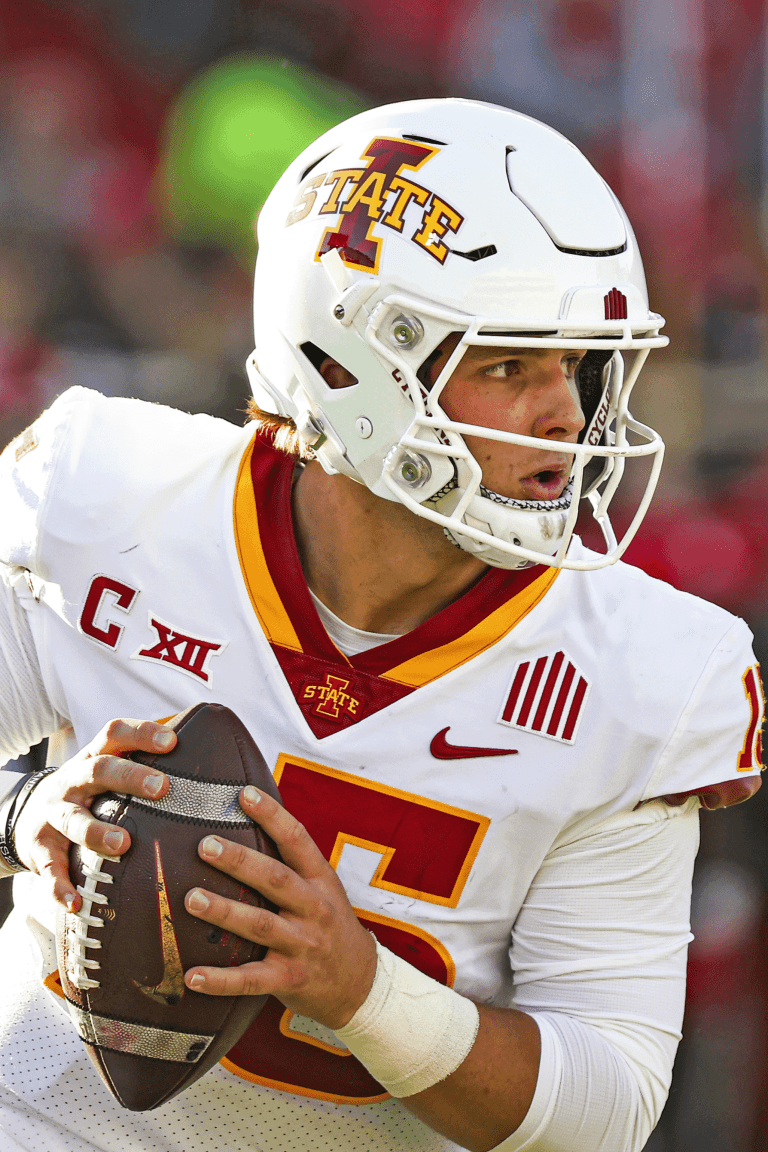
335, 375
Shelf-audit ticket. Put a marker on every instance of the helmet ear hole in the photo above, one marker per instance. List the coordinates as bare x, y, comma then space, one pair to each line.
314, 354
317, 358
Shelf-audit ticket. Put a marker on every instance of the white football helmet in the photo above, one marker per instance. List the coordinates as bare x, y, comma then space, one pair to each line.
417, 220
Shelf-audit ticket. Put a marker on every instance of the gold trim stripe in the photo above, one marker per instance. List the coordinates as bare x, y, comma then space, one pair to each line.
414, 930
297, 1089
261, 588
428, 666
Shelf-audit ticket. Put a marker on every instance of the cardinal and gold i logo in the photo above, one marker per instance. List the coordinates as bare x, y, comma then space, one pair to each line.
377, 192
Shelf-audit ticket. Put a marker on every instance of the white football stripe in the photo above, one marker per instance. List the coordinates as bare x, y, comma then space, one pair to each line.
200, 800
138, 1039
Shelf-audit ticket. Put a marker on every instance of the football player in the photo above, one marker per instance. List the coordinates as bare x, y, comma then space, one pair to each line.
491, 741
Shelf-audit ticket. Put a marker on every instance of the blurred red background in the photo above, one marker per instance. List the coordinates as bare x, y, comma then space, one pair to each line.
137, 139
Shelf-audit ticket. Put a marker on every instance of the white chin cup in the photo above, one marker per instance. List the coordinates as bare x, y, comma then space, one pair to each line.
535, 528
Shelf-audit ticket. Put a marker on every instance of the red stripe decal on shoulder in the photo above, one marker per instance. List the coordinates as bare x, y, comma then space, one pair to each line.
547, 699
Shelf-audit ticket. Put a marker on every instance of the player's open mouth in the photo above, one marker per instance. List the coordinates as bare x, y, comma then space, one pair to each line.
546, 484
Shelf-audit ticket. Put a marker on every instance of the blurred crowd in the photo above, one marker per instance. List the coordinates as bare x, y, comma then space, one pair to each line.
137, 141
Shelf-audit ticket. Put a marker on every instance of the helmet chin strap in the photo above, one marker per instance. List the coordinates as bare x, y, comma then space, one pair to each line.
530, 515
561, 504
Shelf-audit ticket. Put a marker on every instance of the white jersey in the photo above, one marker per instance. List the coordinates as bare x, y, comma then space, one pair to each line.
441, 773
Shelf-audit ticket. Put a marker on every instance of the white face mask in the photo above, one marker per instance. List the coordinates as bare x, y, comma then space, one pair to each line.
416, 221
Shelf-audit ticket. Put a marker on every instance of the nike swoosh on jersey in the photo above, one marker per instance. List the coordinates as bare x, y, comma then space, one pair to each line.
171, 987
442, 750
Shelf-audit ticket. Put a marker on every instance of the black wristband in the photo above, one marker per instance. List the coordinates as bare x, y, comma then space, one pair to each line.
10, 809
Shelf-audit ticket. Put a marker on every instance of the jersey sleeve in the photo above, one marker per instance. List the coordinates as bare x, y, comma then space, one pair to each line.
27, 714
28, 477
92, 464
715, 751
599, 954
27, 468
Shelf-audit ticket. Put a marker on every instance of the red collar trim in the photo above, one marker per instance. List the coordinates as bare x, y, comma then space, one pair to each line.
271, 474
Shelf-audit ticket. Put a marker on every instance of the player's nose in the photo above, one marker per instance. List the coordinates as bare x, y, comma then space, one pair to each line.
560, 414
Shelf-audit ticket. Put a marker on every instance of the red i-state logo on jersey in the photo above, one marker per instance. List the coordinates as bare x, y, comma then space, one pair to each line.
547, 697
332, 699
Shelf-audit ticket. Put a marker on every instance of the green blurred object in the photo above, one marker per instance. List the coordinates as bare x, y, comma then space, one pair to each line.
233, 131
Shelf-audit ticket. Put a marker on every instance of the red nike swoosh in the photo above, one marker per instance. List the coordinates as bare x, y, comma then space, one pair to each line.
442, 750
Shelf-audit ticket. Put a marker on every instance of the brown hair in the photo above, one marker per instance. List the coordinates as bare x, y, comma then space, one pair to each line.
280, 431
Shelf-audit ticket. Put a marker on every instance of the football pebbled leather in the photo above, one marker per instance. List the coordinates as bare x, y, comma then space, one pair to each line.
149, 1035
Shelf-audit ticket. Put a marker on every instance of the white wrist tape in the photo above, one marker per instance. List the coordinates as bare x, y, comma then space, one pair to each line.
411, 1032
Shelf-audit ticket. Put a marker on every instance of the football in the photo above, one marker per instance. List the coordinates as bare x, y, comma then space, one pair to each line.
122, 957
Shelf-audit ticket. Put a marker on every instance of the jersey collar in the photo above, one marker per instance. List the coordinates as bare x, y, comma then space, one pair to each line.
272, 572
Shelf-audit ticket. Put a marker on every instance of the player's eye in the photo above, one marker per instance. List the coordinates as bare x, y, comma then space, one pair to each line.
571, 363
506, 368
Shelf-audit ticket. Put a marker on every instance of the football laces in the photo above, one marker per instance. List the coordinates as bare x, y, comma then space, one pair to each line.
78, 923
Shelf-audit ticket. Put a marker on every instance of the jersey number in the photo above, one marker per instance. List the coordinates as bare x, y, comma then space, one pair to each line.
427, 850
751, 755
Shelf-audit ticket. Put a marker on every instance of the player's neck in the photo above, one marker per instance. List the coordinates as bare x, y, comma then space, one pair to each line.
371, 561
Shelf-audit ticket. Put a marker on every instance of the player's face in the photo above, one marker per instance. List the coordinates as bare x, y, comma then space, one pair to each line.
528, 391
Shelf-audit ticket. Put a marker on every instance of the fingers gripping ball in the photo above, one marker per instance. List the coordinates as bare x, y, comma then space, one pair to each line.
122, 957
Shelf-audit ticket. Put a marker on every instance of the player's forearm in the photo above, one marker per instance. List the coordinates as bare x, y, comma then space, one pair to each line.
489, 1094
469, 1072
607, 1042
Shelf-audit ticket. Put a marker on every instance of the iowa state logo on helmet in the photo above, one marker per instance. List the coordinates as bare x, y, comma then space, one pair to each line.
377, 192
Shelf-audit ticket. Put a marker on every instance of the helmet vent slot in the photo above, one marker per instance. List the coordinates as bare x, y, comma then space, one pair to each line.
571, 202
424, 139
477, 253
314, 164
592, 252
315, 355
515, 332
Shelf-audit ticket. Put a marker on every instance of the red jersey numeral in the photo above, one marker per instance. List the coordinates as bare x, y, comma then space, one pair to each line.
427, 851
751, 755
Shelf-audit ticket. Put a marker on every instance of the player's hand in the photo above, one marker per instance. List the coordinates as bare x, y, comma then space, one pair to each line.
321, 961
57, 813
